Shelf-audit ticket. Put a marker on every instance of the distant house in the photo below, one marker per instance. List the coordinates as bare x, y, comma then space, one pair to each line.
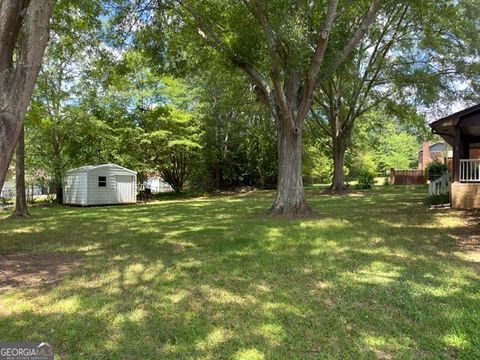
461, 131
155, 183
437, 151
8, 189
100, 185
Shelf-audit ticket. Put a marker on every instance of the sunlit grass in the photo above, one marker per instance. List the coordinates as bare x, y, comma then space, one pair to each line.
380, 276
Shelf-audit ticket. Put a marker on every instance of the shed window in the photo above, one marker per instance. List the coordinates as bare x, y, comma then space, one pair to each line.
102, 181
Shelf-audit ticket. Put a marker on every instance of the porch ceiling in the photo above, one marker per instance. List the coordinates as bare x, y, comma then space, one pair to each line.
473, 131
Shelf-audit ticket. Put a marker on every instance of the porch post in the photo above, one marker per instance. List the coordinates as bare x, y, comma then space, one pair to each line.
457, 151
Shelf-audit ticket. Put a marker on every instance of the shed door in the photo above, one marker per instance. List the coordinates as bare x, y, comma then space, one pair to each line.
124, 188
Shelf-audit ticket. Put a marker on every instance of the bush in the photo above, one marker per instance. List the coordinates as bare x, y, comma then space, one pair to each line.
366, 180
360, 164
437, 199
435, 170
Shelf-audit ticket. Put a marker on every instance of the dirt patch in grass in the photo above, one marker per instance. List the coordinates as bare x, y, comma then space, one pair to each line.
26, 269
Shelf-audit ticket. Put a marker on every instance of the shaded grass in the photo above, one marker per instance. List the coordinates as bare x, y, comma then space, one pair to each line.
380, 277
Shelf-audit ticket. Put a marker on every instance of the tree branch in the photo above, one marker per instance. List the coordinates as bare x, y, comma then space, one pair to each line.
354, 40
317, 60
273, 45
11, 12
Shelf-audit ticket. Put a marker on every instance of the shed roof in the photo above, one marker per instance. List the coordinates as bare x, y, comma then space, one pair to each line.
88, 168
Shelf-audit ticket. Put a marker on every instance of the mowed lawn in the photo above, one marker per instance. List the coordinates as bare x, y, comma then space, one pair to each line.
381, 276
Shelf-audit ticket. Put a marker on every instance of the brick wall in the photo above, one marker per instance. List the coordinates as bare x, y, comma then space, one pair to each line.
426, 159
465, 196
474, 153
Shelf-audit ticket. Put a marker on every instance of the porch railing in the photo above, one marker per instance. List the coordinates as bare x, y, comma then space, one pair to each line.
470, 170
440, 186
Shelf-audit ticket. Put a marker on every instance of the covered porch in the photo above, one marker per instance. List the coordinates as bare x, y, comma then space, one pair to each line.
461, 131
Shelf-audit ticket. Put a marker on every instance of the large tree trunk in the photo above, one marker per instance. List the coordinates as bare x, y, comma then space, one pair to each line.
21, 196
338, 180
58, 189
23, 38
290, 199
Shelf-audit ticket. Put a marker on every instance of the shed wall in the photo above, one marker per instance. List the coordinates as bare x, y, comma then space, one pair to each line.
113, 193
75, 188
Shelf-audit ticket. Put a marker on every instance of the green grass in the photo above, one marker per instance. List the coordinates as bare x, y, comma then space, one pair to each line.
212, 278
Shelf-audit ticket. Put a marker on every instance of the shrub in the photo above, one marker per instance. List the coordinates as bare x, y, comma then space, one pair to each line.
437, 199
366, 180
435, 170
361, 163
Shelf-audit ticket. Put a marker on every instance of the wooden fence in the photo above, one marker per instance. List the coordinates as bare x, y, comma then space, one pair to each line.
407, 177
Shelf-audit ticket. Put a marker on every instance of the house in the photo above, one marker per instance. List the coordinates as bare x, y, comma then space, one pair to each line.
156, 184
100, 185
461, 131
8, 190
438, 151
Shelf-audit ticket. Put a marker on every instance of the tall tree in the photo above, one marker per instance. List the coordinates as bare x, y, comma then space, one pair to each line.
149, 121
74, 42
283, 49
361, 84
399, 63
238, 142
24, 34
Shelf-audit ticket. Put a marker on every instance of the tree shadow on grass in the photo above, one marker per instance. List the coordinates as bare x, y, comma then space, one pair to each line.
376, 279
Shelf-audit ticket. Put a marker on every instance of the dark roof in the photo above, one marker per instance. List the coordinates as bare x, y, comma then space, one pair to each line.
458, 114
445, 127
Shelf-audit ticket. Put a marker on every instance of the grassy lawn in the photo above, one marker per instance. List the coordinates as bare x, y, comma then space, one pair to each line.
380, 276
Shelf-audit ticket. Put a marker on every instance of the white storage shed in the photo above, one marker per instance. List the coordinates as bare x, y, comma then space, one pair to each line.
100, 185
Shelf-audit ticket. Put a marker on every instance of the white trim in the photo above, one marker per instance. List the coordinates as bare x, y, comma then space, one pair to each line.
89, 168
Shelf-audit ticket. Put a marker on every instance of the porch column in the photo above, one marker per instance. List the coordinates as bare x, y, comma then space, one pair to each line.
457, 153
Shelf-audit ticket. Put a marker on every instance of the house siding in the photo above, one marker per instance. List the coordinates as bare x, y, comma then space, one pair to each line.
437, 147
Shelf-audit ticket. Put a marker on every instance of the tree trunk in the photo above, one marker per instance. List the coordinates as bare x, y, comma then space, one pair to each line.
219, 175
338, 181
290, 199
21, 197
57, 165
57, 179
23, 38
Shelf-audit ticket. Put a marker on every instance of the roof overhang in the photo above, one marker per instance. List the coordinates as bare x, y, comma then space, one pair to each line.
88, 168
467, 119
